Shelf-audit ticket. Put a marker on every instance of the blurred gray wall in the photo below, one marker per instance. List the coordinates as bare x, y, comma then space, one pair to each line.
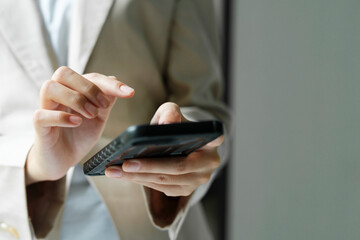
295, 172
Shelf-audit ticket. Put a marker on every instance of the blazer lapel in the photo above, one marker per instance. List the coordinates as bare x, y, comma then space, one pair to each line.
21, 27
88, 19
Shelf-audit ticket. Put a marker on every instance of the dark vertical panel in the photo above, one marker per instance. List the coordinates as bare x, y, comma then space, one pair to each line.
215, 202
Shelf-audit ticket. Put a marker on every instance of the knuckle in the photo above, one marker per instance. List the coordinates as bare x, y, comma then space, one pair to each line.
90, 89
215, 162
62, 72
46, 86
130, 177
204, 179
37, 117
62, 117
113, 77
181, 166
163, 179
77, 99
91, 75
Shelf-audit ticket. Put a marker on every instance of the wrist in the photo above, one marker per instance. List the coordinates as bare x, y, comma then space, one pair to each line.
31, 175
35, 172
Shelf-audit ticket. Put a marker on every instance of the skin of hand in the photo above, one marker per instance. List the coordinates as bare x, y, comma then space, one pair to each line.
71, 118
176, 176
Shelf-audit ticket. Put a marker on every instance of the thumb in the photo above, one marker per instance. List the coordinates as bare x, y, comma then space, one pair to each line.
167, 113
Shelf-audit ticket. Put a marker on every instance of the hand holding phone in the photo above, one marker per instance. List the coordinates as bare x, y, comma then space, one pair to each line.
173, 175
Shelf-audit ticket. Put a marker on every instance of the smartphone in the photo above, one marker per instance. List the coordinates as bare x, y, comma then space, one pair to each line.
146, 141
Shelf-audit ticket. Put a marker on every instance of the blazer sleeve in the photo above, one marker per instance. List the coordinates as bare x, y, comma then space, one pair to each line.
13, 209
24, 211
193, 78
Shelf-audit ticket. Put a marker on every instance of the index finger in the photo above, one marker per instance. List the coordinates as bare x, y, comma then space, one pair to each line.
110, 85
74, 81
92, 84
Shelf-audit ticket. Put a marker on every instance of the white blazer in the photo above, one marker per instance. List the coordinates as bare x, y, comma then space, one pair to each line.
167, 50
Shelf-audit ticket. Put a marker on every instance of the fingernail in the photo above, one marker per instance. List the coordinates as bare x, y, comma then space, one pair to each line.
75, 120
131, 166
126, 89
104, 102
114, 172
91, 109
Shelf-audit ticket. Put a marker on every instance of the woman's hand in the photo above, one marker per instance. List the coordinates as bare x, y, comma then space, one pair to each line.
72, 115
176, 176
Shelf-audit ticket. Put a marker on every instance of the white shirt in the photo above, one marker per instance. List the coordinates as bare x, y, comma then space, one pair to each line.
57, 16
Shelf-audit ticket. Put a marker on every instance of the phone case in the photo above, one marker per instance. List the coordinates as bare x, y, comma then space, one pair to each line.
139, 141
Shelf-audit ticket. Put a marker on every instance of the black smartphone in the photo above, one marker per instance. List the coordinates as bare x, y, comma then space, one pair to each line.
139, 141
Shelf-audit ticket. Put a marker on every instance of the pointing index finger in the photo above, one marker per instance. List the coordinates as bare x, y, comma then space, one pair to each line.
74, 81
110, 85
